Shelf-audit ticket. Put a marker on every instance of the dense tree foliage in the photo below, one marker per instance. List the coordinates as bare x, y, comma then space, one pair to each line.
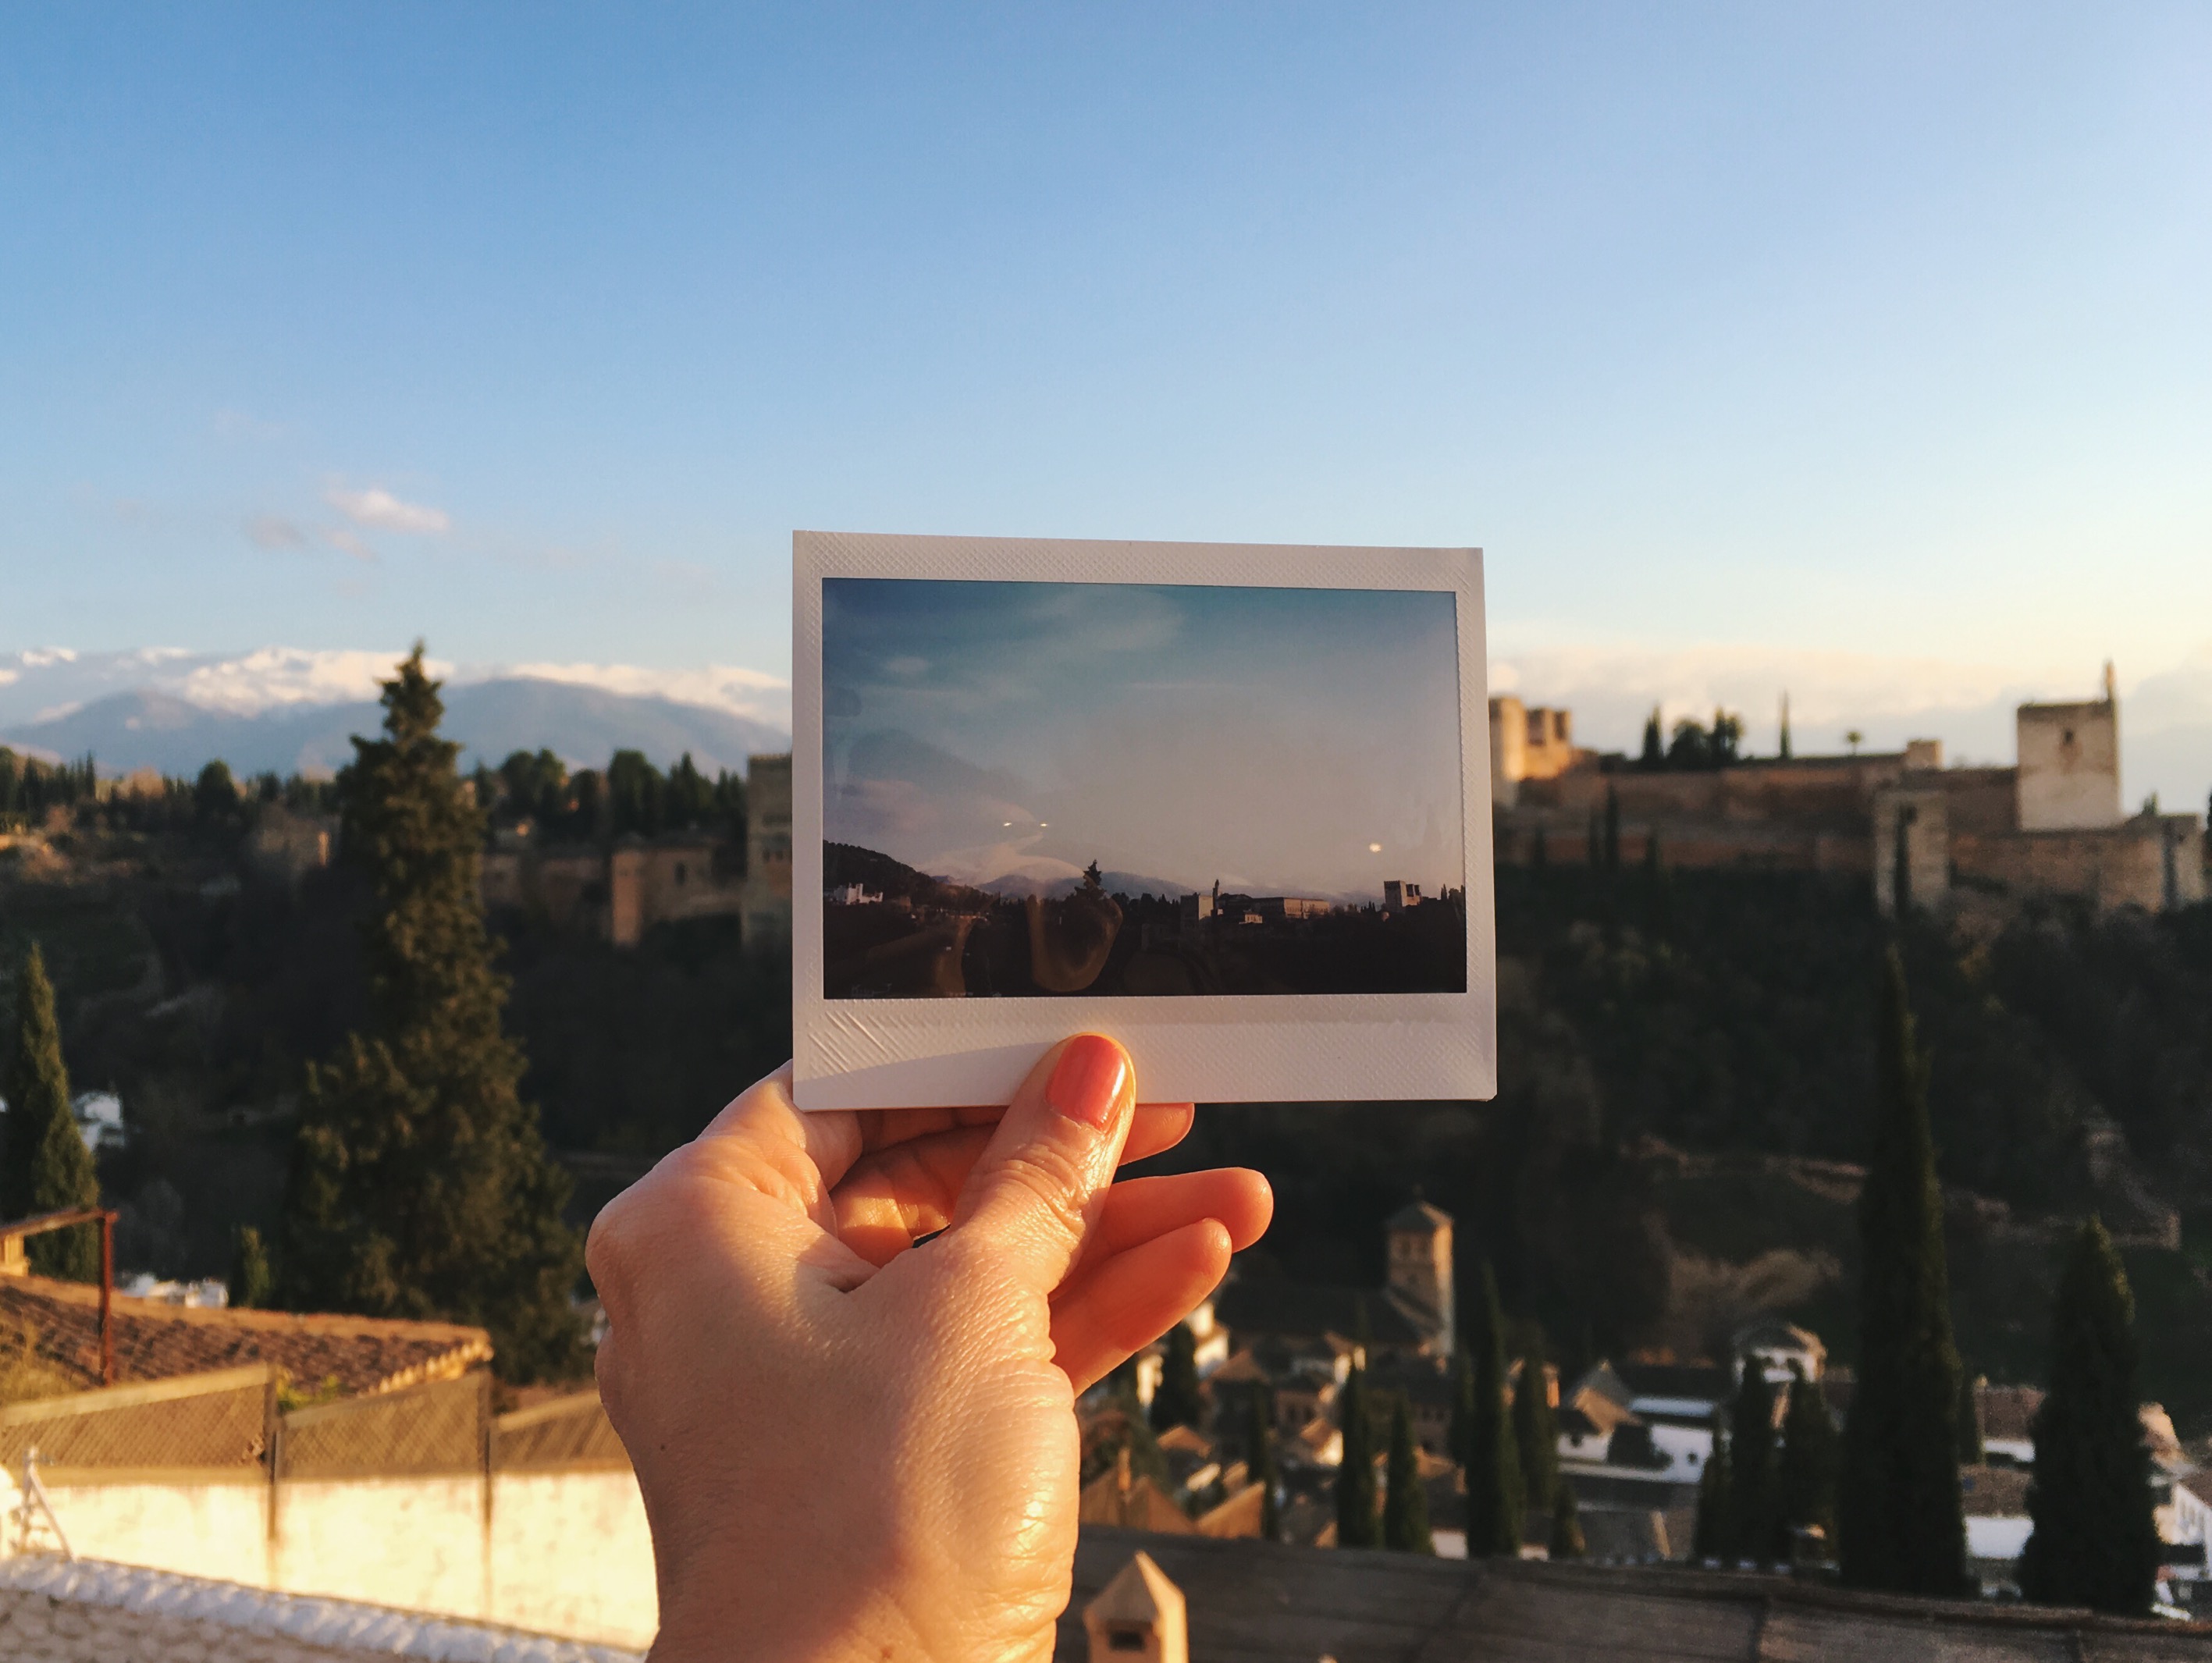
1810, 1463
1177, 1401
1752, 1447
1259, 1465
45, 1166
1490, 1459
1405, 1506
2095, 1542
1904, 1528
1716, 1535
1357, 1523
420, 1185
1536, 1433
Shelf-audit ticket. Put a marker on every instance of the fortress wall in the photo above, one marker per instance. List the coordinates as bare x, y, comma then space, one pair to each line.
1696, 843
1978, 800
2142, 862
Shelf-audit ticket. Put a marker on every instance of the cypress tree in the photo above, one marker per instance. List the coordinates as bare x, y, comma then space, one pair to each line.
1356, 1522
1536, 1433
1495, 1499
1717, 1536
1612, 829
1785, 751
1260, 1460
1811, 1452
1566, 1525
1459, 1431
1971, 1450
1177, 1401
47, 1168
1751, 1449
2095, 1542
1655, 745
250, 1276
1406, 1509
1903, 1524
420, 1185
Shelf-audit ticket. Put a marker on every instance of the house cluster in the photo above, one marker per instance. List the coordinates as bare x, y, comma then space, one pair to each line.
1634, 1435
1927, 835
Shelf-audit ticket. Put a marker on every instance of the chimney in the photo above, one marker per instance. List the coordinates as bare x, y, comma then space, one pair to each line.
1138, 1617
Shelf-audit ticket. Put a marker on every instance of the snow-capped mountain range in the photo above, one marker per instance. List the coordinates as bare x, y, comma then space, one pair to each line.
291, 708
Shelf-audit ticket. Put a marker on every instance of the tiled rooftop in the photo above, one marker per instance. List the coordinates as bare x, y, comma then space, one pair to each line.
159, 1341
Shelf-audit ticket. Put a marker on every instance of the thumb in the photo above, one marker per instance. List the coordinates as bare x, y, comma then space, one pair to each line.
1040, 1181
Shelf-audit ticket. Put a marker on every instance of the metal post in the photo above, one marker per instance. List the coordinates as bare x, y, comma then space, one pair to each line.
106, 1298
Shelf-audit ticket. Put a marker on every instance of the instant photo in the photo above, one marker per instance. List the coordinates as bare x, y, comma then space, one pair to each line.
1226, 803
1037, 790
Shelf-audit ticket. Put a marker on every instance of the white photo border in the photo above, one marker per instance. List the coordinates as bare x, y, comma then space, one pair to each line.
1267, 1047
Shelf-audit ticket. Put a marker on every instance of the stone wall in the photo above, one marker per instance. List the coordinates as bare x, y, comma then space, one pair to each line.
562, 1552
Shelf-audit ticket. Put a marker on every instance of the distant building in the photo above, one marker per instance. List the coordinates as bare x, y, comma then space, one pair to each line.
1927, 836
853, 895
1397, 895
624, 890
1410, 1313
1530, 742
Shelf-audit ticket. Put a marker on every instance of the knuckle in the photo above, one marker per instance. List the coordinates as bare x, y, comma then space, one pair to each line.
1053, 1182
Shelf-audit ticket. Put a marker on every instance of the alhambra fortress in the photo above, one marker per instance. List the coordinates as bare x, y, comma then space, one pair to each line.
1952, 839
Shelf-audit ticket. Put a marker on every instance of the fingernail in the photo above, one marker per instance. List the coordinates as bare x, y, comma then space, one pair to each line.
1089, 1080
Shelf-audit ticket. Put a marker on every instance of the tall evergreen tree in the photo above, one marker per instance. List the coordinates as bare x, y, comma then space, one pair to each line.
1751, 1449
1178, 1402
420, 1185
1260, 1460
1405, 1506
1612, 829
1654, 755
1785, 750
1716, 1533
1536, 1432
1566, 1525
1900, 1513
1971, 1452
1811, 1454
1495, 1499
2095, 1542
1459, 1430
1357, 1525
47, 1167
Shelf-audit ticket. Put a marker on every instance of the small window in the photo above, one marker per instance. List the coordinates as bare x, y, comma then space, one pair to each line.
2067, 737
1125, 1640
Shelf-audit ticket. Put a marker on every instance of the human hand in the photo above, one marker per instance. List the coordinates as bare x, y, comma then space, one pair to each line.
849, 1450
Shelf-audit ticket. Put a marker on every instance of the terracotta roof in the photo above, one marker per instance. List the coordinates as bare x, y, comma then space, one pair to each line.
1995, 1492
158, 1341
2008, 1412
1115, 1498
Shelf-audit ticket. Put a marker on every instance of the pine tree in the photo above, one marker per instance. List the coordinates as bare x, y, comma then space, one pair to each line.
1406, 1509
250, 1276
420, 1185
1900, 1514
1971, 1450
2095, 1542
47, 1167
1177, 1401
1566, 1525
1357, 1525
1260, 1460
1751, 1449
1536, 1432
1494, 1495
1811, 1452
1716, 1535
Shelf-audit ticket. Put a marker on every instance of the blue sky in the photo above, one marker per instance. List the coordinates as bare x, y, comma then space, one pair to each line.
1298, 740
1862, 349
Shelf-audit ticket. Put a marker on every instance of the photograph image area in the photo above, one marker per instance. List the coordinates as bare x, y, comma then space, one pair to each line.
1149, 791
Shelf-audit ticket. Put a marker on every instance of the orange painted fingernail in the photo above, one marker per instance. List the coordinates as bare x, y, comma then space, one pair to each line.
1091, 1080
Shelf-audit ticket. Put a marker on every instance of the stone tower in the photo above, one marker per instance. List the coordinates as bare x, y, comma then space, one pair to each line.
1421, 1277
2069, 764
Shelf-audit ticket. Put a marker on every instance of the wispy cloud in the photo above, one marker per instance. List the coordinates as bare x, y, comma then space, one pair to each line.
379, 509
274, 531
349, 544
